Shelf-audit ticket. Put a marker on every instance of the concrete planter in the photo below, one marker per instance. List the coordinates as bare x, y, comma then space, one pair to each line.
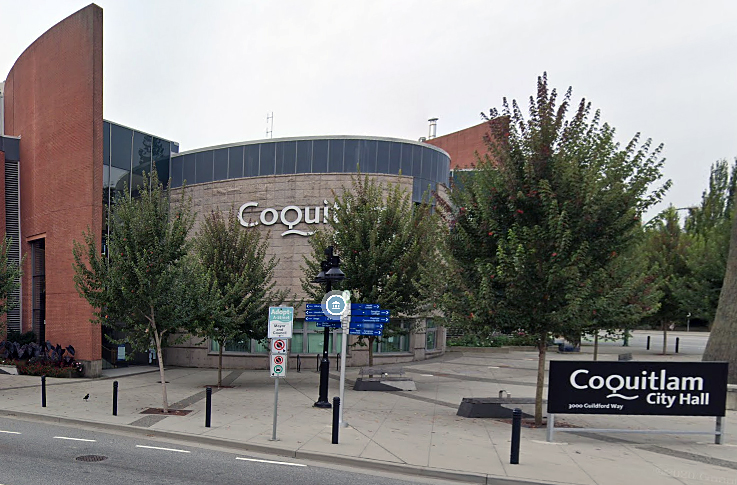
8, 369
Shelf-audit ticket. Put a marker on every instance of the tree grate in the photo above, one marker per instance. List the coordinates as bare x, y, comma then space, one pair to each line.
91, 458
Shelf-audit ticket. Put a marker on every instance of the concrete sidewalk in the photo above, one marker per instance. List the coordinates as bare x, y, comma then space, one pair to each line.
416, 432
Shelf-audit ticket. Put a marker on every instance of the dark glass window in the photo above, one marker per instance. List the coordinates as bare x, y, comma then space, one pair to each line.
251, 163
304, 156
188, 164
162, 154
351, 158
141, 160
406, 162
383, 156
286, 154
335, 159
106, 143
204, 167
428, 163
221, 164
368, 156
320, 156
235, 162
119, 180
267, 159
395, 156
176, 171
120, 147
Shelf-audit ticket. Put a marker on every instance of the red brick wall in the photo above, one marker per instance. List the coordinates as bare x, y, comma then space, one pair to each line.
53, 100
463, 146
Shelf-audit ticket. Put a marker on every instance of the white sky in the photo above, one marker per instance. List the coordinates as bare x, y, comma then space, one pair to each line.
207, 72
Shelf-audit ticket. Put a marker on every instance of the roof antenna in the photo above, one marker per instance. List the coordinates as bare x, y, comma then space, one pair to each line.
270, 125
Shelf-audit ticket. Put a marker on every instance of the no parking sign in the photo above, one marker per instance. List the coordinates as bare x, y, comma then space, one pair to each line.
278, 365
278, 346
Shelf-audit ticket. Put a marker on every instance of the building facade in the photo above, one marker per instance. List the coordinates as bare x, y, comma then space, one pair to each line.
58, 155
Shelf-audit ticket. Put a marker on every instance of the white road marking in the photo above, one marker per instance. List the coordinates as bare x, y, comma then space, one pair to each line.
8, 432
269, 461
72, 439
493, 367
427, 375
163, 449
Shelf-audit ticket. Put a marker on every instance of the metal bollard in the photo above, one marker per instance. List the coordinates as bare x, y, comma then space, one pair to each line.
43, 391
318, 363
678, 341
516, 425
337, 362
648, 343
299, 363
208, 406
115, 398
336, 419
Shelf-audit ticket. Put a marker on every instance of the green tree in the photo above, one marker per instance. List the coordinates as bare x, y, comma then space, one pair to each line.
706, 244
244, 277
664, 245
555, 200
10, 275
146, 286
387, 245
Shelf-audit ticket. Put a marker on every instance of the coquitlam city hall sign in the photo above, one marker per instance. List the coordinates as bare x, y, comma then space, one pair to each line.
288, 216
654, 388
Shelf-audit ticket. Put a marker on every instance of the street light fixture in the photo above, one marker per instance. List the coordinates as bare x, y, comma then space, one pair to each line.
330, 272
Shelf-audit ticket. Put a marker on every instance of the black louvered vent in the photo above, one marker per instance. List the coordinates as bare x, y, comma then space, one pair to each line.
12, 229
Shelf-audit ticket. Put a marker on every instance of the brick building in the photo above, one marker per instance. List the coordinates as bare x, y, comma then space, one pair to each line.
58, 156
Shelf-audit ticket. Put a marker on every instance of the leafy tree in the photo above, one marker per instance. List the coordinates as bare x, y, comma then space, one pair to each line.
553, 202
146, 286
244, 277
10, 275
706, 244
387, 245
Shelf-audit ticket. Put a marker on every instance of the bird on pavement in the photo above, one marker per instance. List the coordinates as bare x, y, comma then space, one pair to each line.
86, 397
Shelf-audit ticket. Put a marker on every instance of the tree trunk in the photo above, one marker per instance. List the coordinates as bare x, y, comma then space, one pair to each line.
722, 343
596, 346
665, 338
220, 363
541, 348
159, 356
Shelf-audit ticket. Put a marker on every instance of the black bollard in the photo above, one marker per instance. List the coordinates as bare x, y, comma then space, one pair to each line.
299, 363
678, 341
336, 419
648, 343
337, 362
115, 398
516, 425
208, 406
318, 363
43, 391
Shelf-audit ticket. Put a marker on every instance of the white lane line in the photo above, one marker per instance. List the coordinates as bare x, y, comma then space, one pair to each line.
269, 461
427, 375
73, 439
163, 449
8, 432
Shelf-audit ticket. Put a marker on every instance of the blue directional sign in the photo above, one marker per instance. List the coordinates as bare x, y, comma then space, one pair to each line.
364, 319
320, 318
328, 323
365, 306
371, 313
314, 312
361, 331
314, 306
375, 326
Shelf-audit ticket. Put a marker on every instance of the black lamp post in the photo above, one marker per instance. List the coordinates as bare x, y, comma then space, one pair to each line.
330, 271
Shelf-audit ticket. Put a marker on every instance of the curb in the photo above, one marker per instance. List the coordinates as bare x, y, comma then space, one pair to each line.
404, 469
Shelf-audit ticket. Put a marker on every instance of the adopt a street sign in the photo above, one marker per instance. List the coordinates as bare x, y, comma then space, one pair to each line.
280, 321
279, 346
278, 365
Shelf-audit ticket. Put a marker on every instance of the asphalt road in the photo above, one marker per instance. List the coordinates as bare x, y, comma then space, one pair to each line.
33, 453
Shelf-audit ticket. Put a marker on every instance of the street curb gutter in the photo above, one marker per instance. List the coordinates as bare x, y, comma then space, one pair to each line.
404, 469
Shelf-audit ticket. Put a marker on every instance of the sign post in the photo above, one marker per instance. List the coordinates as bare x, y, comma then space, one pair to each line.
638, 388
345, 319
281, 320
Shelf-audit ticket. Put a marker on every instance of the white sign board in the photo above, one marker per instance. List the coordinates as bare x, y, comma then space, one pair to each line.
278, 346
280, 321
278, 365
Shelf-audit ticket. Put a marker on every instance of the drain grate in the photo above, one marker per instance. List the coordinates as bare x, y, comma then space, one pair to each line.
91, 458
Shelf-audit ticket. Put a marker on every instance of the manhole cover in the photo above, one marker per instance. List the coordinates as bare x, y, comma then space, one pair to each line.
90, 458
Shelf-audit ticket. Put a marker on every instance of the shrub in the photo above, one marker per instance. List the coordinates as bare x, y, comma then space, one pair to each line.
518, 338
34, 359
21, 338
